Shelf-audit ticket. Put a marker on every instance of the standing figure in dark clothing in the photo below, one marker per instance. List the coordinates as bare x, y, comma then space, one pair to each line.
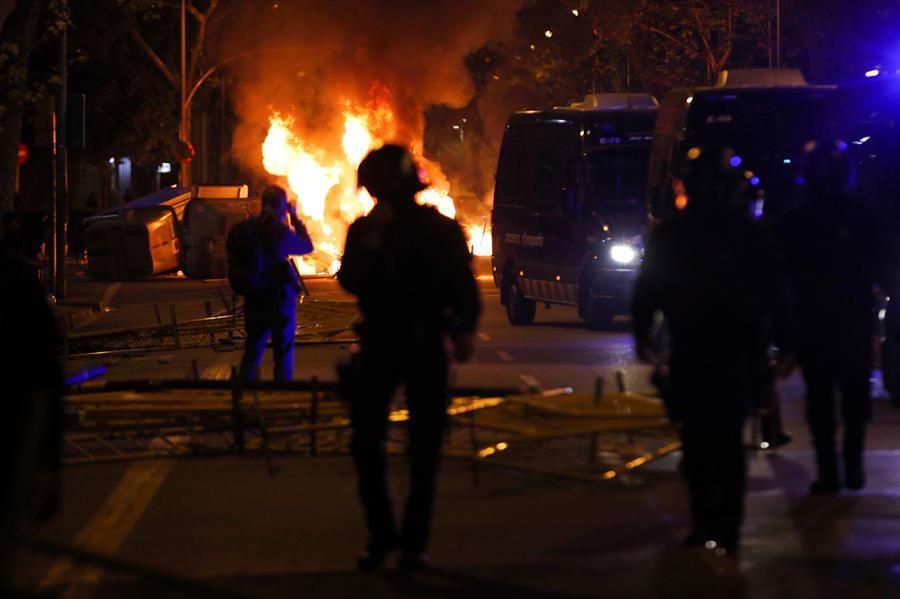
711, 271
410, 268
837, 251
260, 269
12, 233
31, 426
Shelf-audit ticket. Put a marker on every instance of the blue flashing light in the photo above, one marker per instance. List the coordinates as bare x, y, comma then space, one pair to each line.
800, 181
842, 146
735, 161
786, 161
85, 375
758, 208
754, 181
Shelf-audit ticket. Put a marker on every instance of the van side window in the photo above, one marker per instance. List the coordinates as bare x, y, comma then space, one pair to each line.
513, 175
573, 202
548, 181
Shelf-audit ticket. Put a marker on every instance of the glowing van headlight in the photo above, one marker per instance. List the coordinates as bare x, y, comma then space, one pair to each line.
622, 253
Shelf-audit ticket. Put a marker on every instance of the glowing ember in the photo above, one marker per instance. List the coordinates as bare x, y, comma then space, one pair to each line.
323, 181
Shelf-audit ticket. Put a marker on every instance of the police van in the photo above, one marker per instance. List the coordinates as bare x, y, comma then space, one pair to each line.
569, 206
765, 115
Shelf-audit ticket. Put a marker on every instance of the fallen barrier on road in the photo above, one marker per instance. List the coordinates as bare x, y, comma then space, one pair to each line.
542, 432
208, 323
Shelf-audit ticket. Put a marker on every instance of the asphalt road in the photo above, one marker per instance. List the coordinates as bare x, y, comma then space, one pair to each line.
225, 522
556, 351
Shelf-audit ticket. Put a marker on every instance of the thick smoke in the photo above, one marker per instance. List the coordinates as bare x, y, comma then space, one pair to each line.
307, 57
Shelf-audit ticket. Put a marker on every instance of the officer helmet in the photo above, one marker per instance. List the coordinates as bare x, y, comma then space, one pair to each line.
389, 172
827, 167
712, 175
274, 199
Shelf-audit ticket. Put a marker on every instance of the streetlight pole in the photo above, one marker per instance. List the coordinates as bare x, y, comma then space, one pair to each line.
184, 135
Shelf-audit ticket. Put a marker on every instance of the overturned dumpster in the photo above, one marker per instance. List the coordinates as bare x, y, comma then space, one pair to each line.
134, 244
208, 217
168, 230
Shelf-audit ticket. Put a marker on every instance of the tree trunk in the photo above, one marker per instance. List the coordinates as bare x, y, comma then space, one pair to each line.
186, 170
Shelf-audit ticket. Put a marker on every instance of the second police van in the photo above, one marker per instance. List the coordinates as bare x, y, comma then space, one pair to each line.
765, 115
569, 206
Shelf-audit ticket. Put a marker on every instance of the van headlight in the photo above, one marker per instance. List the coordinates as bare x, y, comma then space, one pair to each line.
622, 253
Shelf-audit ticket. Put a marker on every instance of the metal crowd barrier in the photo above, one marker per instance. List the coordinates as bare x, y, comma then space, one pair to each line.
222, 324
543, 432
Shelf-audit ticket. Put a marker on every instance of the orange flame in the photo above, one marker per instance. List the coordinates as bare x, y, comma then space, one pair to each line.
323, 181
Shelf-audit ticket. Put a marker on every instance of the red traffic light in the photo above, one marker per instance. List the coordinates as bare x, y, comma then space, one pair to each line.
22, 155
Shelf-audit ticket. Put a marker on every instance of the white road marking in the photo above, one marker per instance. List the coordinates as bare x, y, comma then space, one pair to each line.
505, 356
109, 527
219, 372
484, 337
109, 293
530, 382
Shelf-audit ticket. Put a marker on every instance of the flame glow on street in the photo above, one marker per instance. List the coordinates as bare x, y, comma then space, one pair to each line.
322, 182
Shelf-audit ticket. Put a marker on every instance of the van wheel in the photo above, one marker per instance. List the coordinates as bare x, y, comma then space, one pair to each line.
598, 313
519, 309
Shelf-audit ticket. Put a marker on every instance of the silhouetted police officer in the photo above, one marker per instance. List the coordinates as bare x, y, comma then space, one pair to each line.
837, 250
410, 268
711, 271
270, 307
32, 385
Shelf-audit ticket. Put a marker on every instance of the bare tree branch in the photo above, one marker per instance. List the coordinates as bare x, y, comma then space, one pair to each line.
151, 53
200, 38
195, 12
667, 36
710, 55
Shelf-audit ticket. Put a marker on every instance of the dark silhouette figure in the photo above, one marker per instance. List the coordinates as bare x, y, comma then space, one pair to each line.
12, 233
410, 268
260, 248
710, 270
837, 250
31, 426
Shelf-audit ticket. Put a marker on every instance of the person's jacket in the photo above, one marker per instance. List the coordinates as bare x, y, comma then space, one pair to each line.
411, 270
279, 241
837, 248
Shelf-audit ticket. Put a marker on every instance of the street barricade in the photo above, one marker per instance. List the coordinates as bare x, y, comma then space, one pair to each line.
216, 323
547, 433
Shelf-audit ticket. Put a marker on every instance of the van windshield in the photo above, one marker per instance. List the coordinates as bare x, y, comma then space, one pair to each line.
766, 127
617, 175
759, 118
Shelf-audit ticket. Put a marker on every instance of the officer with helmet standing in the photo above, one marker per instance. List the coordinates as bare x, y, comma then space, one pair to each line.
837, 251
410, 268
711, 271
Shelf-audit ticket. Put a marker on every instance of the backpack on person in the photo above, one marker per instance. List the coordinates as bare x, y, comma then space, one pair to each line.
245, 257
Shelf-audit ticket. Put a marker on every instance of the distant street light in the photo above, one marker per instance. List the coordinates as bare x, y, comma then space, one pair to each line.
548, 34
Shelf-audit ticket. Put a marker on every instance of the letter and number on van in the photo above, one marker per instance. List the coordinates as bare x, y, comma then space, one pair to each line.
523, 239
569, 206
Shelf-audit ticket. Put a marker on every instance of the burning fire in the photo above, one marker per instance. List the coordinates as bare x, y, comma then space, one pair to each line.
323, 181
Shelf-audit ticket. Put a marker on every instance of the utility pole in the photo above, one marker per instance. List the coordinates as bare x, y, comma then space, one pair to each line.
48, 134
778, 33
62, 171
